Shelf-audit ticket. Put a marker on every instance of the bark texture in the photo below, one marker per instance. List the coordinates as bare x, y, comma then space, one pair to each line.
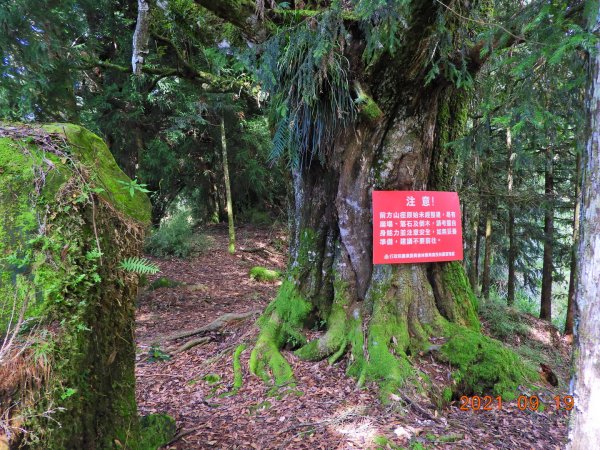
140, 37
570, 319
227, 182
548, 266
67, 381
584, 432
487, 257
512, 245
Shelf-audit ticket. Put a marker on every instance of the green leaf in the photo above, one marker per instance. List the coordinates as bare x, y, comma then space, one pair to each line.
139, 265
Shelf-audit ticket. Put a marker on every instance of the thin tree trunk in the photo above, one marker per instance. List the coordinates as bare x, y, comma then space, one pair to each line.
227, 188
479, 234
512, 247
487, 259
140, 37
466, 247
573, 270
546, 297
584, 432
473, 251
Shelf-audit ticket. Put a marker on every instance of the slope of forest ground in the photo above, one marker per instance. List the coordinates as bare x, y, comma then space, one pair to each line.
325, 410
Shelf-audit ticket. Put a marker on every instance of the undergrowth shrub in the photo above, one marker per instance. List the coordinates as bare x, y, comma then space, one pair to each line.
176, 237
255, 216
501, 321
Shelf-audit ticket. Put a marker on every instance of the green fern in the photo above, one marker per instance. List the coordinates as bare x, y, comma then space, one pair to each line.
139, 265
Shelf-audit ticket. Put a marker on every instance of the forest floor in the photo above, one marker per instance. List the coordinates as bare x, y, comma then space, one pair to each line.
326, 409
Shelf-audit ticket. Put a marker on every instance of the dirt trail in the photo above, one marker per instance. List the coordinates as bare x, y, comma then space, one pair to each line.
325, 410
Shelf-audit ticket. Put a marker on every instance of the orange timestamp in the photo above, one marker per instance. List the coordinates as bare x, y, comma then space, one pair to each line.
524, 402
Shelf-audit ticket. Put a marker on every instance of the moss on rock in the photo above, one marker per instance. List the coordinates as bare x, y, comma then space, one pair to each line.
263, 274
483, 365
66, 221
164, 282
156, 431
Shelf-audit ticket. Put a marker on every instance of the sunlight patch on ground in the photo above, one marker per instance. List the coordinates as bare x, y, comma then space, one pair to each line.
540, 335
361, 432
353, 424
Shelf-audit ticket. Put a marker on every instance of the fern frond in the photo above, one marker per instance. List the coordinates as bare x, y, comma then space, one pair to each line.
139, 265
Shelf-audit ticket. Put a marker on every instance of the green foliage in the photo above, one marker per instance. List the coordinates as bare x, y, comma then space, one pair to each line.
212, 378
263, 274
156, 431
139, 265
382, 23
305, 71
483, 365
501, 321
133, 186
163, 282
155, 354
176, 237
255, 217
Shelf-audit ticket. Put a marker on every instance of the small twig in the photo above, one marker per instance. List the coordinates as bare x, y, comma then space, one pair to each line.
417, 407
181, 434
304, 424
257, 250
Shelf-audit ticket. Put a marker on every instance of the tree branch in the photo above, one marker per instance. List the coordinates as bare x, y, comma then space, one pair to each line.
241, 13
209, 81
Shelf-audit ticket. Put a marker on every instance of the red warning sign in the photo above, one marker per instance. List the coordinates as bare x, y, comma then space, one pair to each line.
416, 226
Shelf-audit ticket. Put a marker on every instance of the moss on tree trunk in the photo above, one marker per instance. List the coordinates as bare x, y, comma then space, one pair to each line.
67, 219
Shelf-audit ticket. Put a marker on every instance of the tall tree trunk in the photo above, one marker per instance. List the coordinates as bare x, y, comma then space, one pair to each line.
573, 269
227, 188
584, 432
512, 246
474, 228
466, 247
487, 257
479, 234
546, 297
473, 251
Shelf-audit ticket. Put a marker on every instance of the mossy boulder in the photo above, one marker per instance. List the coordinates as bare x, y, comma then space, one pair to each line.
67, 218
263, 274
483, 365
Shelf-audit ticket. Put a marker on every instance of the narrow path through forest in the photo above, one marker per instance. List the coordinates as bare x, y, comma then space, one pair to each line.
326, 410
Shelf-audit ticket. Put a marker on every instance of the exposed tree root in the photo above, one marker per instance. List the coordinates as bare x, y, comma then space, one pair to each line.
280, 324
266, 356
422, 412
190, 344
396, 320
215, 325
238, 376
237, 367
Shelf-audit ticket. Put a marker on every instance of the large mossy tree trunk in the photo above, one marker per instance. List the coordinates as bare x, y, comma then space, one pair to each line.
378, 314
67, 220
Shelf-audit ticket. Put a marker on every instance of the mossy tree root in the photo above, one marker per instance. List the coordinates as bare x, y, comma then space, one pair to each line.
280, 324
333, 342
380, 333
